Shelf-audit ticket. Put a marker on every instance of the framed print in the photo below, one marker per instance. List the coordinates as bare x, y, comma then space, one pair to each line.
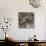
26, 19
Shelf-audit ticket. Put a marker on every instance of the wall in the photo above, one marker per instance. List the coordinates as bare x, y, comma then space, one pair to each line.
10, 8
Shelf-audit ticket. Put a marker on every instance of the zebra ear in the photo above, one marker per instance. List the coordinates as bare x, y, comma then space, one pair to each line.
35, 3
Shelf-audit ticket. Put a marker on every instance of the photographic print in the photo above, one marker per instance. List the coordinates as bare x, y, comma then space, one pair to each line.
26, 19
